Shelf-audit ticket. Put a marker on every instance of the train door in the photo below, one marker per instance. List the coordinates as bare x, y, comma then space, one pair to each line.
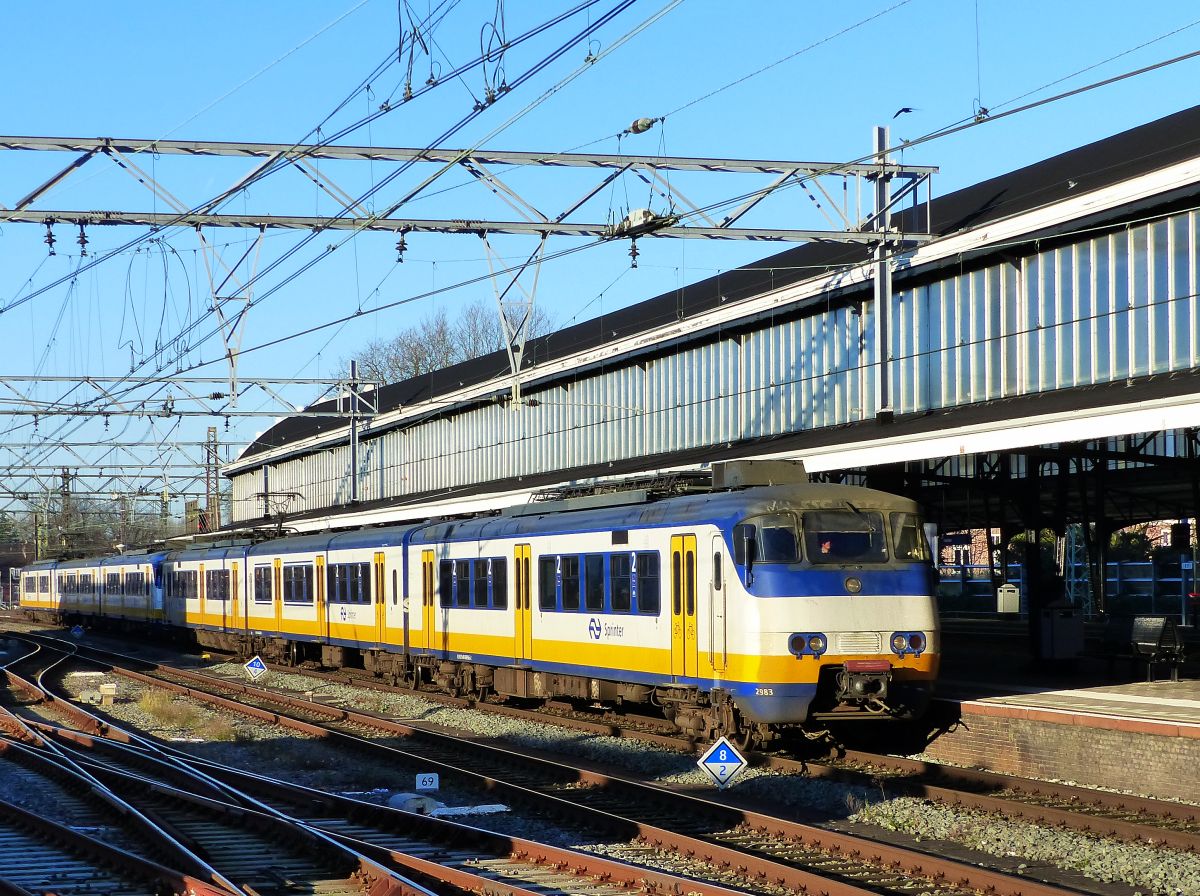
278, 594
427, 601
683, 605
235, 617
380, 593
523, 641
717, 607
319, 588
200, 592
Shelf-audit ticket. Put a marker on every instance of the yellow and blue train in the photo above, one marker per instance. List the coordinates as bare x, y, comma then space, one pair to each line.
735, 610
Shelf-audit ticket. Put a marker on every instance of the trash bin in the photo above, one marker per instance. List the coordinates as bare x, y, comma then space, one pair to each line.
1062, 633
1008, 599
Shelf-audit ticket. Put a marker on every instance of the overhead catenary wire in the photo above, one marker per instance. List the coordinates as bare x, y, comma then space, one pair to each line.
286, 159
546, 61
529, 34
937, 134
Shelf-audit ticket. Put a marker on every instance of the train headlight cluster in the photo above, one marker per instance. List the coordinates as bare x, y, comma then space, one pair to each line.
904, 643
812, 644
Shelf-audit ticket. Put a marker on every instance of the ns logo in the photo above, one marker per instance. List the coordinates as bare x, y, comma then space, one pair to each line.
594, 629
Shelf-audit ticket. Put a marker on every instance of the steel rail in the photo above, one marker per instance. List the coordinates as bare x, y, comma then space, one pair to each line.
571, 864
103, 855
683, 805
961, 791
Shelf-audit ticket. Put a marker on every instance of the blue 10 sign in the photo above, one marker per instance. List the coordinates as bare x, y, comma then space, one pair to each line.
722, 762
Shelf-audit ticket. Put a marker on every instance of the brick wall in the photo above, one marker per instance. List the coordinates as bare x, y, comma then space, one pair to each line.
1148, 758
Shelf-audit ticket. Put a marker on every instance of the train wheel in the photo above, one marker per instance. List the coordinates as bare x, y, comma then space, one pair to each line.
752, 736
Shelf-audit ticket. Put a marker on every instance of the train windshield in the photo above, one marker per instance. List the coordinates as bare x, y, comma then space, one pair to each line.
908, 535
845, 536
769, 538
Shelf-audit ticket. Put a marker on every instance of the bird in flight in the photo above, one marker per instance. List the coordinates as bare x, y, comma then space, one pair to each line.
901, 111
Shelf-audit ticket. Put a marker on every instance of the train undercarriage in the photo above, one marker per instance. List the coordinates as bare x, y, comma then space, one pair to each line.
703, 715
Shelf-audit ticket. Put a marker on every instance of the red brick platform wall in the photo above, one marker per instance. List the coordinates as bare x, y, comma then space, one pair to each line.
1151, 758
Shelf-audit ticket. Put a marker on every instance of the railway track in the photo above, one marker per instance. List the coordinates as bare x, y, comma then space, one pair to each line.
264, 851
765, 852
1120, 816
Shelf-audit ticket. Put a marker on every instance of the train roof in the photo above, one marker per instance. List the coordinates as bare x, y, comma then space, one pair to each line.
136, 559
723, 508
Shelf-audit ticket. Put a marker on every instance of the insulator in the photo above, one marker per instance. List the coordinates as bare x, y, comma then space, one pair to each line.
83, 241
401, 245
50, 238
633, 253
641, 125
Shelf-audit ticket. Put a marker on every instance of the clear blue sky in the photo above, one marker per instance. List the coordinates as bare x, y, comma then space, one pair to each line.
272, 71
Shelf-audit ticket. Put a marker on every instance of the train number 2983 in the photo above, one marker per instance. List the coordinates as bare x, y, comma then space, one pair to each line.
764, 692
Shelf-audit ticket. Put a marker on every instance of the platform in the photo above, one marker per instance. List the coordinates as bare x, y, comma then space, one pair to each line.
1089, 721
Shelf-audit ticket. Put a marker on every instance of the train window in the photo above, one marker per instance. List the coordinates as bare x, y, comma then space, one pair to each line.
570, 583
773, 536
547, 582
844, 536
348, 583
462, 594
112, 582
263, 584
620, 574
85, 582
647, 583
479, 583
446, 583
30, 584
44, 584
360, 574
499, 568
689, 582
908, 537
216, 584
717, 584
298, 583
594, 582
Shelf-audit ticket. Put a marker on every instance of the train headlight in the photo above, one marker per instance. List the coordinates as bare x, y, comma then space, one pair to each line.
904, 643
803, 644
853, 585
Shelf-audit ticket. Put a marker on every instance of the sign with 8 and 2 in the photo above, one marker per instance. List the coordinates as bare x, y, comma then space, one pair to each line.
722, 762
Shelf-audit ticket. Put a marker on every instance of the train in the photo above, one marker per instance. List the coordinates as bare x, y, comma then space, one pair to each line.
761, 602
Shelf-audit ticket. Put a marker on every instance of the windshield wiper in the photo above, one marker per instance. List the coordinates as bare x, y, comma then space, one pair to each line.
858, 513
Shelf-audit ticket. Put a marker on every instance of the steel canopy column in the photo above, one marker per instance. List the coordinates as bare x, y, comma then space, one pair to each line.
883, 280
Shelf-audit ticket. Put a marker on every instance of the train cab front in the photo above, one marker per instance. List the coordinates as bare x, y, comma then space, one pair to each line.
857, 580
866, 684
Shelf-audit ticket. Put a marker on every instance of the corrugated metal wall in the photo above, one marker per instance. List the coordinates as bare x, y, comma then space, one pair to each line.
1098, 310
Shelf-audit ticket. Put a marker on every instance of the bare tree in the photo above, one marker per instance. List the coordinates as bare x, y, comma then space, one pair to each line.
436, 342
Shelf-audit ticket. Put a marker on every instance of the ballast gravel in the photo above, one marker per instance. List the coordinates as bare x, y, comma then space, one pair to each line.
1148, 869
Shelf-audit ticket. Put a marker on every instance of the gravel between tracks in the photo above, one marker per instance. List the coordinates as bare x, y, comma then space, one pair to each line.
259, 746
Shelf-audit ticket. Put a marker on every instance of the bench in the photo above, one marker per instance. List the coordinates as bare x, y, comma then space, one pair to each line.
1155, 639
